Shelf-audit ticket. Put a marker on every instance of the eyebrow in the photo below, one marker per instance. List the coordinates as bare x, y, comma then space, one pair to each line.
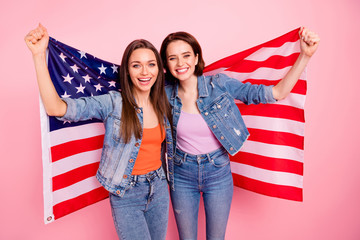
153, 60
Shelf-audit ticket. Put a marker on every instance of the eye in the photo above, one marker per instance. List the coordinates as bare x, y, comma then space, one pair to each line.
187, 55
152, 64
135, 66
172, 58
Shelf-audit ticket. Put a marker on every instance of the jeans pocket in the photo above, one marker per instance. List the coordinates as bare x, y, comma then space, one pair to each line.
220, 161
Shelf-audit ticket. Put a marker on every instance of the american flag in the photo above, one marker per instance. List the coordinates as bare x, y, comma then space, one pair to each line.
270, 162
71, 151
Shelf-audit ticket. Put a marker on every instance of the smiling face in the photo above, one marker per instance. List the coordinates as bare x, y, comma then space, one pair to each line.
181, 60
143, 70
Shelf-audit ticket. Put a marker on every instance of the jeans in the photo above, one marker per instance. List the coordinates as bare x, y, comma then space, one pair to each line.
142, 213
209, 175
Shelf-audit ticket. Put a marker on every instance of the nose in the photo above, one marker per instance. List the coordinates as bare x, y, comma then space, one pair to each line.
144, 71
180, 62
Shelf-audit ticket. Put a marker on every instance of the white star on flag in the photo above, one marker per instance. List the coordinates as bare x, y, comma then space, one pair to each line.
75, 68
114, 68
98, 87
82, 54
62, 56
87, 78
65, 95
102, 69
67, 78
80, 88
112, 84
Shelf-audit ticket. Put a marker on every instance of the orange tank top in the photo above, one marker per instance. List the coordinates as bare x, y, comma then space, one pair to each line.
149, 156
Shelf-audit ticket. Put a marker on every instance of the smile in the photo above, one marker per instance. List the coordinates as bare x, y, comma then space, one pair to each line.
144, 79
182, 70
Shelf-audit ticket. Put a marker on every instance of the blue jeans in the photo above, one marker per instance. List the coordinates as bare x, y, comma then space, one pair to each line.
210, 175
142, 213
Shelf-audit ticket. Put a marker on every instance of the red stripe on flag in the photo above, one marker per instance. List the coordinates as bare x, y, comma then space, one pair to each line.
299, 88
230, 60
268, 163
72, 205
278, 138
74, 176
273, 110
74, 147
273, 190
275, 62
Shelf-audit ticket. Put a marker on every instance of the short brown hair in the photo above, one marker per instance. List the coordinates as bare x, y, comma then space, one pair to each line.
191, 40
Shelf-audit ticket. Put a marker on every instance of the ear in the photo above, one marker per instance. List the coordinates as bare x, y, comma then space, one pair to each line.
196, 59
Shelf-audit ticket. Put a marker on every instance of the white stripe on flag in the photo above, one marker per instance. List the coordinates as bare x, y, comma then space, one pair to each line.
263, 175
72, 162
75, 190
293, 100
262, 73
273, 151
274, 124
75, 133
264, 53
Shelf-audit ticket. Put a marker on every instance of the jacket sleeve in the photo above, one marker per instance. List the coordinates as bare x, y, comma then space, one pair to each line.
86, 108
246, 92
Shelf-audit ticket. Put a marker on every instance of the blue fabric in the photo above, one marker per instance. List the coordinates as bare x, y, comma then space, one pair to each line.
117, 158
209, 175
142, 214
216, 105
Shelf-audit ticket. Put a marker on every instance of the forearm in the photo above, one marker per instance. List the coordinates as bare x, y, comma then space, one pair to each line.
53, 104
284, 87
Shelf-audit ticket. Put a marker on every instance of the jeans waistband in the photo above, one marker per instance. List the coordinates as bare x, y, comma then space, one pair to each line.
200, 157
148, 176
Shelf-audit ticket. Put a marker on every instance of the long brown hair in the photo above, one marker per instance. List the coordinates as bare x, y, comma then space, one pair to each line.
191, 40
130, 124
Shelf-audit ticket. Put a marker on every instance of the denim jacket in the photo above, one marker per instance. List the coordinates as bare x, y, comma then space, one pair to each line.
117, 158
217, 107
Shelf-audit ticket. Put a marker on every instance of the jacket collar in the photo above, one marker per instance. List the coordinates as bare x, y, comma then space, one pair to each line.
202, 88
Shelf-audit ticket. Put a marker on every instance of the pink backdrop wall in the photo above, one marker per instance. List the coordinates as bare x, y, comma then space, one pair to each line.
331, 180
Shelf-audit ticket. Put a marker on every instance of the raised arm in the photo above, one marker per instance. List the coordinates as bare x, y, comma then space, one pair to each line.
37, 41
309, 42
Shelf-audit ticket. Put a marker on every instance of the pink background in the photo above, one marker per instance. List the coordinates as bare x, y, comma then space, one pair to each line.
331, 180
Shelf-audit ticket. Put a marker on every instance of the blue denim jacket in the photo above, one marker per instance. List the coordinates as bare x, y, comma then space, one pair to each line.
117, 158
217, 107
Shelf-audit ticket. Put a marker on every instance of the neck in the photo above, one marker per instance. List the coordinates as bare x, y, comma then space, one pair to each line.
189, 85
142, 98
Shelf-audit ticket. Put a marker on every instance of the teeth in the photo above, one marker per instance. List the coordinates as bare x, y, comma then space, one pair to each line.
182, 70
144, 79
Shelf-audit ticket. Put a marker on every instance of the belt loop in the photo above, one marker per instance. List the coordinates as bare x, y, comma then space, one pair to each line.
208, 156
135, 178
185, 155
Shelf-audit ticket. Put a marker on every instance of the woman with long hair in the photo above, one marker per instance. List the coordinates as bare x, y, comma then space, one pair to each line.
137, 133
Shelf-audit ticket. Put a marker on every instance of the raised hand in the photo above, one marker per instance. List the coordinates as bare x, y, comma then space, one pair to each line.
37, 40
309, 41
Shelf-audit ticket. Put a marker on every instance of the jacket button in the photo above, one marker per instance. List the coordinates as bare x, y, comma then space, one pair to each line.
131, 160
231, 148
138, 110
218, 106
206, 113
214, 126
125, 176
200, 100
118, 192
222, 137
136, 144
